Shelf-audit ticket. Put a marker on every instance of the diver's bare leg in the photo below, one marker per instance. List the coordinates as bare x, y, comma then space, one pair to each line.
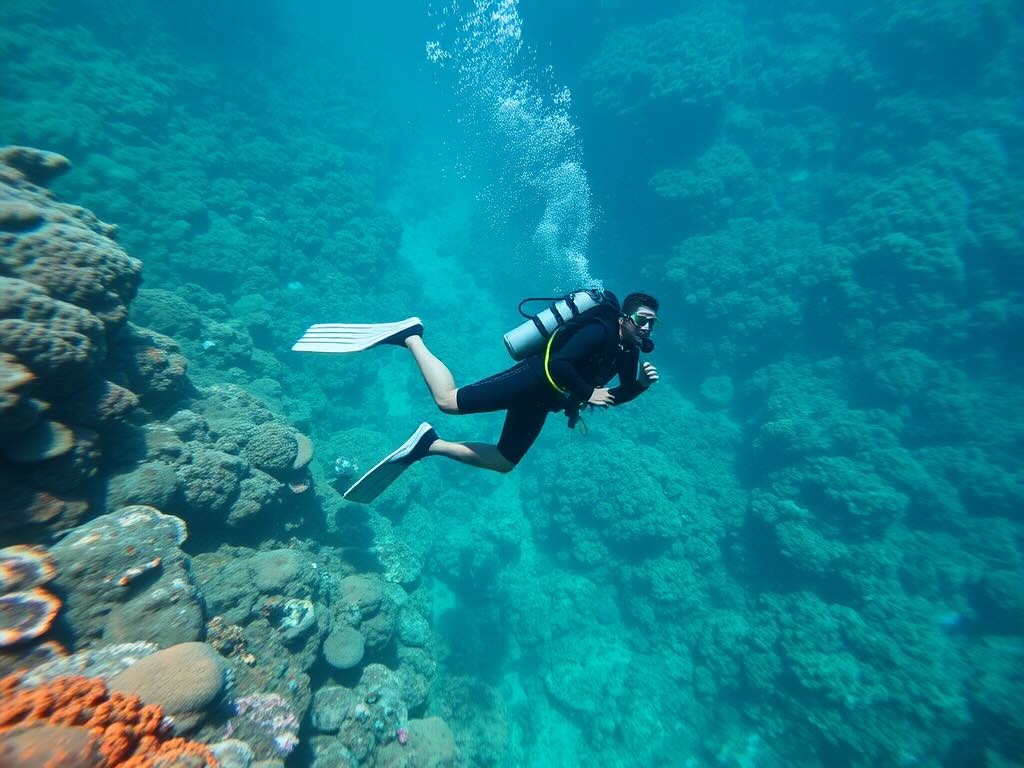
439, 379
442, 388
482, 455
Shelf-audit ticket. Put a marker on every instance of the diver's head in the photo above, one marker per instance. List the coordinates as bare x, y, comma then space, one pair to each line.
639, 316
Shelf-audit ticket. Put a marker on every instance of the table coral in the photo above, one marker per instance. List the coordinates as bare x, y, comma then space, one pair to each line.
23, 567
27, 610
26, 615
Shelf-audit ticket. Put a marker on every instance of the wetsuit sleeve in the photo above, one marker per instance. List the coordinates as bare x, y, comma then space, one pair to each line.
629, 385
580, 346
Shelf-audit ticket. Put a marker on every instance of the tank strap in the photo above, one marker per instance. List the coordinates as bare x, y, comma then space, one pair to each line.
571, 301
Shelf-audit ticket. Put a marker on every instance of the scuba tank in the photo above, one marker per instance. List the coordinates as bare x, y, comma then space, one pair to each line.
529, 337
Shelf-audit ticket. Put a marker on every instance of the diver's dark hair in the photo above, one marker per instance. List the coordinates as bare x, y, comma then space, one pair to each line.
634, 301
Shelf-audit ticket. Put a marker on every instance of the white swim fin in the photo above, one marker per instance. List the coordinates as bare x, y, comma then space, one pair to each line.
390, 468
355, 337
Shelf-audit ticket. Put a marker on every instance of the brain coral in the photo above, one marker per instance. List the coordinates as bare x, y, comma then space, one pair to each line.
275, 569
344, 648
184, 680
363, 592
271, 448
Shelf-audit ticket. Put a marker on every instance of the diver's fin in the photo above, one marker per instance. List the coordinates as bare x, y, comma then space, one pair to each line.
387, 470
355, 337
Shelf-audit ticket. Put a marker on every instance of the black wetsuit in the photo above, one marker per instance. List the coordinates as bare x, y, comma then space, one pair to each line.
588, 359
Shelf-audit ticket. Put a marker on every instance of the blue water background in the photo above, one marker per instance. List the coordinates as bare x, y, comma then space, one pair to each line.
804, 547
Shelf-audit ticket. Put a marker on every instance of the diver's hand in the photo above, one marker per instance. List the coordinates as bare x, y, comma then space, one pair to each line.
648, 375
601, 398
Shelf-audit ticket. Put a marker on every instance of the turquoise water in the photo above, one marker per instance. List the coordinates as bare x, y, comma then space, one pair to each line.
804, 546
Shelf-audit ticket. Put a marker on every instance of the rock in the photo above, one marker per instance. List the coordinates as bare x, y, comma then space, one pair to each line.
126, 579
232, 753
153, 483
330, 707
413, 629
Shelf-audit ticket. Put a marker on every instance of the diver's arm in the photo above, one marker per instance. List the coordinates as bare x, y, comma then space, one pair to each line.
629, 378
583, 343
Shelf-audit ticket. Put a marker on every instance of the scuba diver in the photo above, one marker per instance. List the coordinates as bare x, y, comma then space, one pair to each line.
566, 359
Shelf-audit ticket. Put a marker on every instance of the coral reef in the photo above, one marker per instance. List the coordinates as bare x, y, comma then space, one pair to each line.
111, 453
803, 548
73, 370
64, 292
110, 729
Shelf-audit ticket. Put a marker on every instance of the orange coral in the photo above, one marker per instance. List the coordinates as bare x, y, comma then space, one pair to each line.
125, 733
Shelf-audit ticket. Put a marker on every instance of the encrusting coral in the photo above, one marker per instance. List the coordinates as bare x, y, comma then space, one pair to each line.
122, 733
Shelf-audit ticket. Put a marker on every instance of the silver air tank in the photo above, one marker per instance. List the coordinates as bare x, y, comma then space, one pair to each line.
529, 337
